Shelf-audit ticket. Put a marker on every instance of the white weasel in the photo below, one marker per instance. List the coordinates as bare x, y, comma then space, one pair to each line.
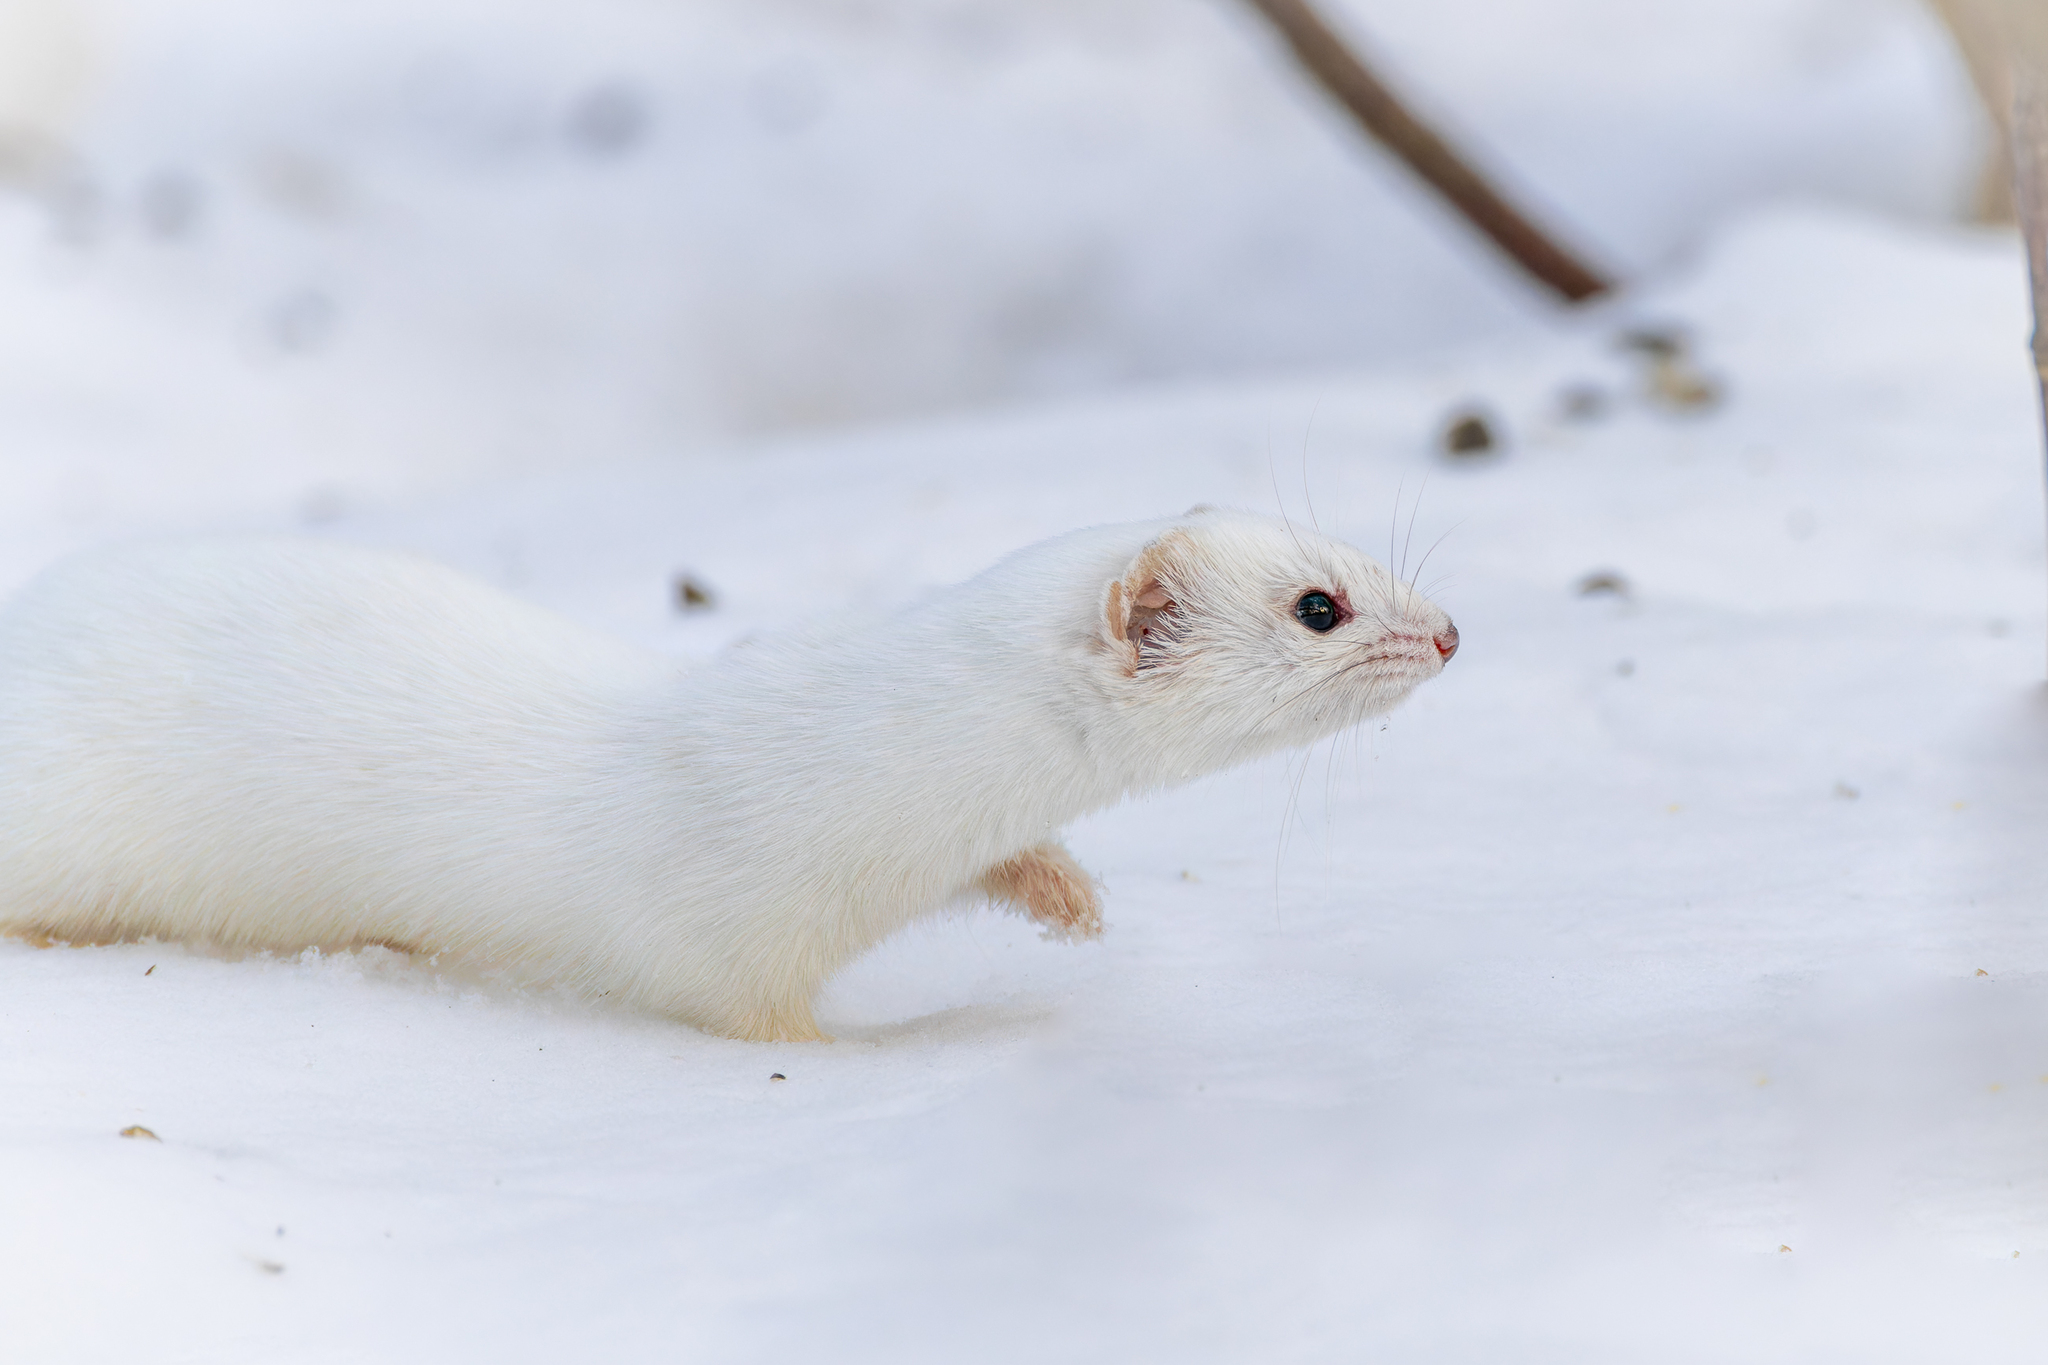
280, 743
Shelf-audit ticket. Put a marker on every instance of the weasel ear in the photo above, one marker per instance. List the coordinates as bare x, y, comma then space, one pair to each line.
1201, 509
1139, 613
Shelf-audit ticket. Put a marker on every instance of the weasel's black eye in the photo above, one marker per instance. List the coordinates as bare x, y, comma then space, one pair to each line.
1316, 611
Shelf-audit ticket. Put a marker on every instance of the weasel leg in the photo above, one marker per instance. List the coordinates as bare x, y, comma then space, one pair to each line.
1046, 884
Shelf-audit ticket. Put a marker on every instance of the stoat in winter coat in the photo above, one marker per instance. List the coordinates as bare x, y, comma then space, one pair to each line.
277, 743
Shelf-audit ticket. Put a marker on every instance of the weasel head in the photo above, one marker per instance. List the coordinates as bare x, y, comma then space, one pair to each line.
1231, 635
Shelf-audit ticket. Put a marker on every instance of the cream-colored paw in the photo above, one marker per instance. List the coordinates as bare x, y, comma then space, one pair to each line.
1046, 884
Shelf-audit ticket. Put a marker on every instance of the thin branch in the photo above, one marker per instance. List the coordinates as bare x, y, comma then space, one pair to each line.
2030, 199
2029, 147
1382, 114
2022, 28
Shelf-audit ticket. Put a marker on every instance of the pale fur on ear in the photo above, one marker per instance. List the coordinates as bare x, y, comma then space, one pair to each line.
1142, 600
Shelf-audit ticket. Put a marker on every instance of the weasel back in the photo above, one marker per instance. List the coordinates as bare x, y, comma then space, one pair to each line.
277, 743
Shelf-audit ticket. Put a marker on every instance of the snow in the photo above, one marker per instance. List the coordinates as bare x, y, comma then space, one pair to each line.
543, 231
1530, 1025
1663, 982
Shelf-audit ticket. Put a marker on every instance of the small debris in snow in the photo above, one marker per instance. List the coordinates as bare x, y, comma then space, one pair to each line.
1609, 581
1845, 792
1673, 380
1655, 342
136, 1130
1468, 433
1982, 972
1187, 876
270, 1267
692, 595
1783, 1247
777, 1076
1676, 384
1625, 669
152, 967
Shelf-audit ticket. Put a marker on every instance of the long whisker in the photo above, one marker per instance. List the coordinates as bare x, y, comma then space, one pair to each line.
1287, 817
1329, 800
1273, 473
1394, 520
1432, 550
1306, 496
1413, 514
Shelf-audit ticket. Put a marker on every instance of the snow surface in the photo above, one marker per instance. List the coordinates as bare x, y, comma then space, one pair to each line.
1664, 982
1664, 931
548, 233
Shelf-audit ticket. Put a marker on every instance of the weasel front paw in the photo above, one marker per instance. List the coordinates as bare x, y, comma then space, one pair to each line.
1046, 884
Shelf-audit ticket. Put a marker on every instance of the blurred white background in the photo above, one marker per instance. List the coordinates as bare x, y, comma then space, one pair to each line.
425, 239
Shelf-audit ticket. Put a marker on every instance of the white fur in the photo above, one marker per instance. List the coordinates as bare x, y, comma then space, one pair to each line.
280, 743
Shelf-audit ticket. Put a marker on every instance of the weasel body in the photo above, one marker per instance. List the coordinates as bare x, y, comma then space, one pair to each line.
274, 743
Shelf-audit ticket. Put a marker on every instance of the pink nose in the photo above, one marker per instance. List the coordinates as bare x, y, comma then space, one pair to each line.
1447, 642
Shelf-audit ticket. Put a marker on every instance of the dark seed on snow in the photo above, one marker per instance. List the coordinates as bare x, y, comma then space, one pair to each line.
1658, 343
692, 595
1468, 433
1603, 581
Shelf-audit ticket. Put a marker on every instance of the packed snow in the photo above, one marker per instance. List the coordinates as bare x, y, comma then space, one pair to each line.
1672, 927
1663, 982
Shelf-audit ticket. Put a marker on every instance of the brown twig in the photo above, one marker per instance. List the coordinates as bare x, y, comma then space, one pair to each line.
2030, 200
2007, 45
1345, 77
2029, 147
2022, 29
1978, 30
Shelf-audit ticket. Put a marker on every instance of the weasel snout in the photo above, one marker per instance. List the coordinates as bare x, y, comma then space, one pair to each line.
1447, 641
